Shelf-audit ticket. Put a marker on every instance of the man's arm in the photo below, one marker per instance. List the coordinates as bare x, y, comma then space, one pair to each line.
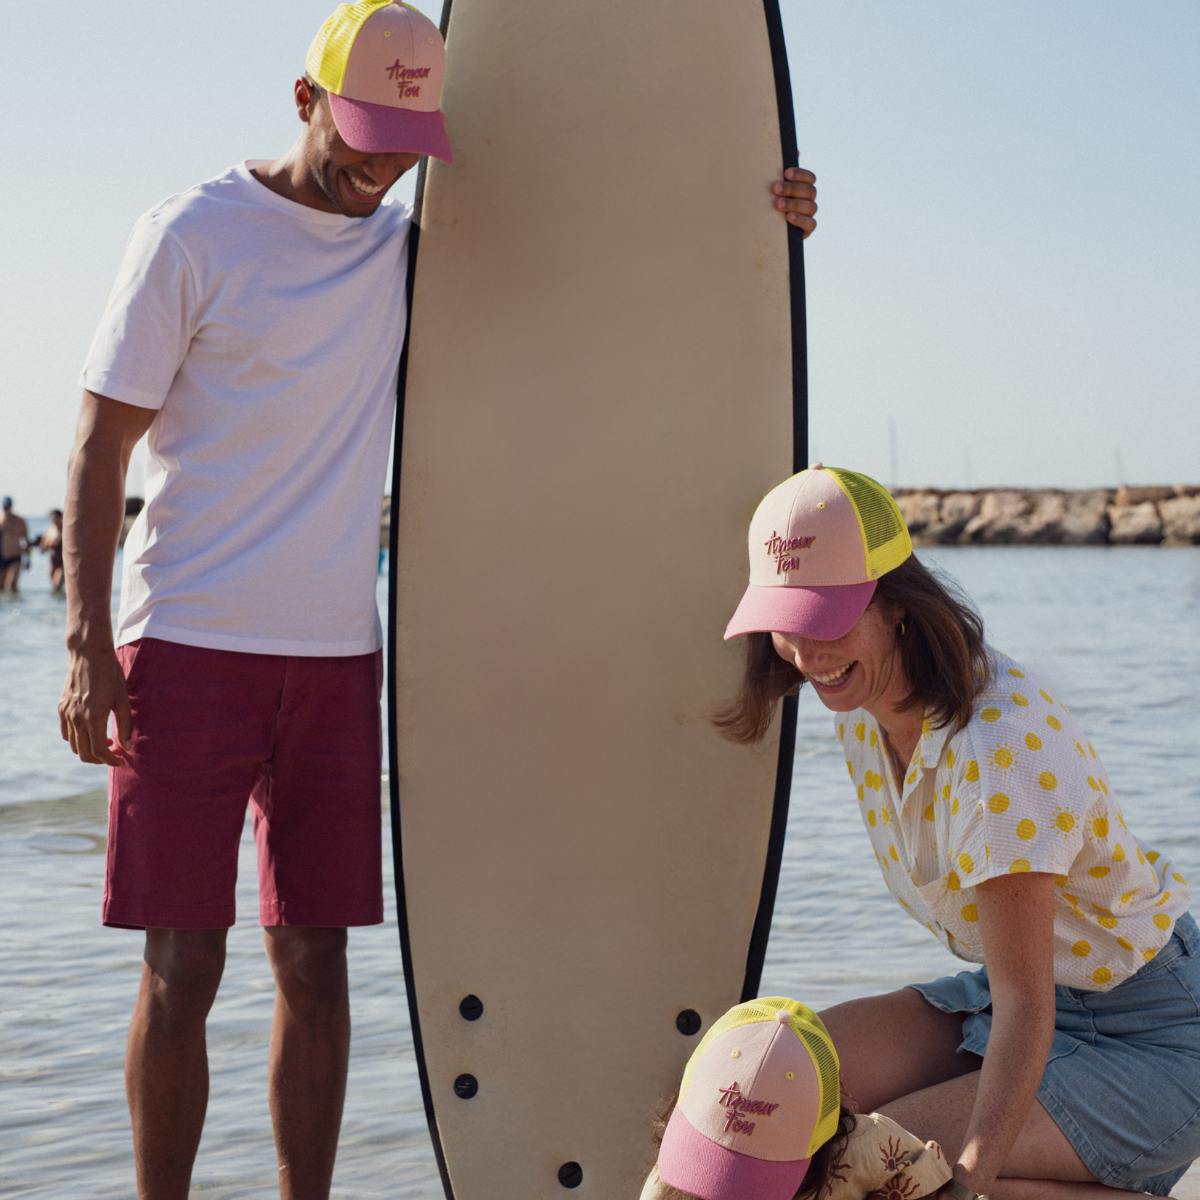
105, 436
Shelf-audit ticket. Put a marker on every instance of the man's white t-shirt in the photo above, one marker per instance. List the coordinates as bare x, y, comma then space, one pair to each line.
268, 336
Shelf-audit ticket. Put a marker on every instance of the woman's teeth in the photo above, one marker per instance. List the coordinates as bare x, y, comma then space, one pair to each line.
830, 680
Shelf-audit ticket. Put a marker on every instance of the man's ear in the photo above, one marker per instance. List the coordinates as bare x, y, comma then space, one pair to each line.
305, 99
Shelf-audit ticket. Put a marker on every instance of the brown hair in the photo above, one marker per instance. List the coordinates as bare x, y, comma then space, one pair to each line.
815, 1178
941, 650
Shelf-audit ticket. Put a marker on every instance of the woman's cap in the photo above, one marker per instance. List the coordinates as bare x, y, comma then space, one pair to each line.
382, 64
818, 543
760, 1095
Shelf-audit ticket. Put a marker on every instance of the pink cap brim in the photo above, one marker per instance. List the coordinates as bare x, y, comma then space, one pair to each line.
689, 1161
822, 613
381, 129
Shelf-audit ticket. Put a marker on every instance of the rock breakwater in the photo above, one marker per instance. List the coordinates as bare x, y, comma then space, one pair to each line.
1123, 516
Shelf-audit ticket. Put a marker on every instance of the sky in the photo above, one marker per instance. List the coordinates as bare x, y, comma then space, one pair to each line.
1003, 289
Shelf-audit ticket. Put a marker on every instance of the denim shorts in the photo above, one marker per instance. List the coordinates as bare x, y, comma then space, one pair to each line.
1122, 1080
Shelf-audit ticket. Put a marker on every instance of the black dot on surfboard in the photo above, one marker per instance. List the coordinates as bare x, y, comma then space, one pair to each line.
570, 1175
471, 1008
688, 1022
465, 1086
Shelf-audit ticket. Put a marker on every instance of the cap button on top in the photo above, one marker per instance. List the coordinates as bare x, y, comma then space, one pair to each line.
783, 1017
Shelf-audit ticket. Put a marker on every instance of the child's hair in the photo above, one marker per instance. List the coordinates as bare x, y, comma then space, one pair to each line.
815, 1177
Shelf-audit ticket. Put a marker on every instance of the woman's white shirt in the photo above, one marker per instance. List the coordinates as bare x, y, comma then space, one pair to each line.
1019, 788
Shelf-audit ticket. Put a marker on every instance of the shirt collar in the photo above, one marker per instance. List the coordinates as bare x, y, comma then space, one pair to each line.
932, 743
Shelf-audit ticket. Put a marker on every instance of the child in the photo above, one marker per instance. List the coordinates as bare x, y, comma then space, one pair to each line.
759, 1117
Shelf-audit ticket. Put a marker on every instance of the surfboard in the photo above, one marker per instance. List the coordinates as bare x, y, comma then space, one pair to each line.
605, 372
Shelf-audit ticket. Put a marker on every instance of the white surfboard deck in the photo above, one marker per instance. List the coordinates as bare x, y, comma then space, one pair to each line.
599, 386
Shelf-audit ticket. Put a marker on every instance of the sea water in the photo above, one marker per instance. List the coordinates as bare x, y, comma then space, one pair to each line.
1115, 632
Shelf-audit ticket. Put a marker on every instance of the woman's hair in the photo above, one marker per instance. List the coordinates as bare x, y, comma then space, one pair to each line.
814, 1178
941, 650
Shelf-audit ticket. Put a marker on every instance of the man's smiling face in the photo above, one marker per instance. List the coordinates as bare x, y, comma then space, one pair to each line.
339, 178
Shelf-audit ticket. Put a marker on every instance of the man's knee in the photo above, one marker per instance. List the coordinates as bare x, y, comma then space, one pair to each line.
183, 972
310, 967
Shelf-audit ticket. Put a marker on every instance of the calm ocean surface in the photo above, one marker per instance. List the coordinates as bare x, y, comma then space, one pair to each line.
1114, 631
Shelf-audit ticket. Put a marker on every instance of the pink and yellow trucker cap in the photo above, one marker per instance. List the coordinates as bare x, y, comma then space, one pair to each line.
760, 1095
818, 544
382, 64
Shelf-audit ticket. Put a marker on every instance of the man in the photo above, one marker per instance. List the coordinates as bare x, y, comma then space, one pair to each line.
51, 543
14, 545
254, 335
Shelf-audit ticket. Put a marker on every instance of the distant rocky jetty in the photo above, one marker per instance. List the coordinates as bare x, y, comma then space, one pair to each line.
1124, 516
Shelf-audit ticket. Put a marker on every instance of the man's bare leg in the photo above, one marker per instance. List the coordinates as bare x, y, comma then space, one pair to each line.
310, 1053
166, 1066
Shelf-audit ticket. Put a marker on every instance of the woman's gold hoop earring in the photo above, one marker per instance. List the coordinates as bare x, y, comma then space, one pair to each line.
902, 629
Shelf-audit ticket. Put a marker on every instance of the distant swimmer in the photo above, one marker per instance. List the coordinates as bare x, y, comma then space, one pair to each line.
14, 545
51, 543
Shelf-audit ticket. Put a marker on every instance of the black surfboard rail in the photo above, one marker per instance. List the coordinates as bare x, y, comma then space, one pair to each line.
783, 782
789, 157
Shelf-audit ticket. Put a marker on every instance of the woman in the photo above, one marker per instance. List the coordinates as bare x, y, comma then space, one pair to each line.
994, 826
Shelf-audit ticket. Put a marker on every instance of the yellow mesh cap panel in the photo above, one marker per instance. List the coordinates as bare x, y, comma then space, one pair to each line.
824, 1058
884, 531
330, 50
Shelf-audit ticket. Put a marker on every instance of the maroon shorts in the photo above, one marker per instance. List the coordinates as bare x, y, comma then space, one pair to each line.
299, 739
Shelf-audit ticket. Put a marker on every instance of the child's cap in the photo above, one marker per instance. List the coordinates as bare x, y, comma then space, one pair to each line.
759, 1096
382, 64
818, 543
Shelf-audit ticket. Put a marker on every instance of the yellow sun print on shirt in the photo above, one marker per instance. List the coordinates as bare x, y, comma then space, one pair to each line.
1003, 757
1064, 820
